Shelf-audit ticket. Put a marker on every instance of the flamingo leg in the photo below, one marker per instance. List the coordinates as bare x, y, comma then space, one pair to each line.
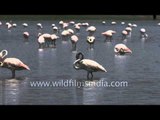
93, 45
13, 74
73, 46
88, 76
90, 45
54, 43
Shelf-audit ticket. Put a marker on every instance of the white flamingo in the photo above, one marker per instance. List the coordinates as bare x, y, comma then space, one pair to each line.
14, 25
91, 30
143, 33
11, 63
9, 25
55, 30
91, 41
26, 35
39, 26
88, 65
25, 25
113, 23
103, 22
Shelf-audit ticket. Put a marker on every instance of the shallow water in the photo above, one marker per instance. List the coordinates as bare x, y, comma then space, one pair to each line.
140, 69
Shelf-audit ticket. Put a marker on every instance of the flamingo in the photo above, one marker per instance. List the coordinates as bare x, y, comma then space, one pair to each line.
11, 63
113, 23
71, 22
41, 41
47, 38
91, 40
55, 29
61, 24
25, 25
134, 25
143, 33
103, 22
39, 26
122, 23
26, 35
85, 24
9, 25
121, 49
14, 25
64, 35
108, 34
129, 25
88, 65
91, 30
77, 27
65, 26
124, 34
129, 30
74, 40
54, 37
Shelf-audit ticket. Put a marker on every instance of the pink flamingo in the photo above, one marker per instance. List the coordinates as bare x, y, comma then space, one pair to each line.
11, 63
124, 34
108, 34
54, 37
121, 49
74, 40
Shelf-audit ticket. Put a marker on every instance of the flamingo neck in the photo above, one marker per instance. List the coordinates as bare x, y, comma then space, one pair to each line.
1, 64
3, 53
79, 56
76, 64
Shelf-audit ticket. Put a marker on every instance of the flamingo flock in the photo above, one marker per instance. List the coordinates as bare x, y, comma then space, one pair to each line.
71, 32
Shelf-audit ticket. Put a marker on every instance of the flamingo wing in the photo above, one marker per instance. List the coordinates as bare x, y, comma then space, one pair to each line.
92, 65
15, 63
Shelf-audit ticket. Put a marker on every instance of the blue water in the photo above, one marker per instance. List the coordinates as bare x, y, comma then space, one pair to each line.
140, 69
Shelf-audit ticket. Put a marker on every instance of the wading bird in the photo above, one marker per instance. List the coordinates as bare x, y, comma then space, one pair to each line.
26, 35
121, 49
11, 63
88, 65
90, 41
143, 33
74, 40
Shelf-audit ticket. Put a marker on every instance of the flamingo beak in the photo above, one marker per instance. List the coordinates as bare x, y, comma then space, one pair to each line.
128, 50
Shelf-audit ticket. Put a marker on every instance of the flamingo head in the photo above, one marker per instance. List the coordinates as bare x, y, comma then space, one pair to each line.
79, 56
3, 53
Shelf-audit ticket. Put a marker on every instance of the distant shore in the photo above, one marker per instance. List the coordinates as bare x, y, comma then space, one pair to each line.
78, 17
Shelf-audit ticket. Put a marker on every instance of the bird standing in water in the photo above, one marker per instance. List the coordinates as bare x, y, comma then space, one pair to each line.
121, 49
11, 63
88, 65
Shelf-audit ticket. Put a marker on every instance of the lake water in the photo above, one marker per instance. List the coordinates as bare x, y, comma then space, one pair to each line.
140, 70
